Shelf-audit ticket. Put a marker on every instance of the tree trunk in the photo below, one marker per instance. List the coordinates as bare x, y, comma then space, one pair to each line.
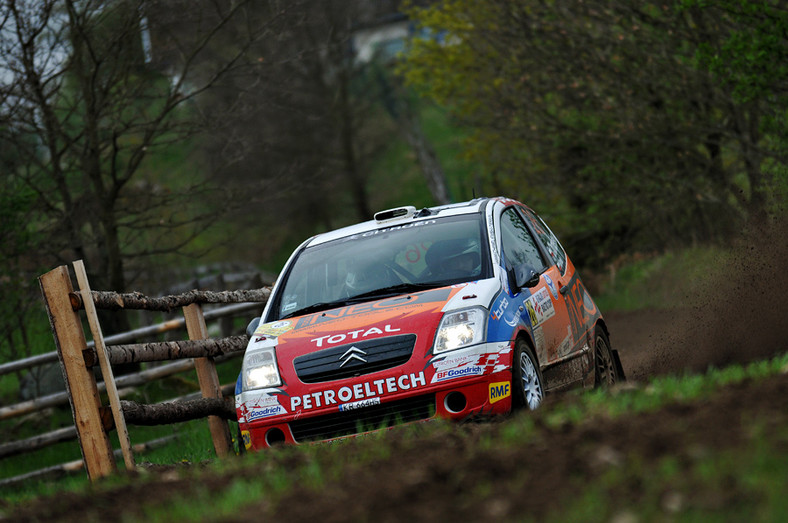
357, 181
396, 103
425, 154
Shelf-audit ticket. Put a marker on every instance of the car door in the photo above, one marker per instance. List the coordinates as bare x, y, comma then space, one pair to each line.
561, 278
541, 306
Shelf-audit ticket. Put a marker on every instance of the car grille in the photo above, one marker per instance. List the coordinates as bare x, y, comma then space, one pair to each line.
365, 419
354, 359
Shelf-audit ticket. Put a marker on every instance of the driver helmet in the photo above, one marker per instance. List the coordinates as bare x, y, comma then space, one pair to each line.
449, 257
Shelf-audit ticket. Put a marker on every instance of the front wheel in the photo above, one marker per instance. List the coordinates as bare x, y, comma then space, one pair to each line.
527, 383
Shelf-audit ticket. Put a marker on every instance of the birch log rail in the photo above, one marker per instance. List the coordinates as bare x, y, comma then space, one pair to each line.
171, 350
176, 411
109, 300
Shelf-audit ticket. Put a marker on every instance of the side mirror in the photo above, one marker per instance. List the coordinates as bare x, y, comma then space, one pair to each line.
523, 276
252, 326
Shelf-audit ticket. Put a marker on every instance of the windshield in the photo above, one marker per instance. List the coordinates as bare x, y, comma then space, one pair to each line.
384, 262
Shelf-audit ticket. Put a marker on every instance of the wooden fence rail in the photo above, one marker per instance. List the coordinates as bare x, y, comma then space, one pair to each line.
142, 332
74, 466
135, 300
91, 419
13, 448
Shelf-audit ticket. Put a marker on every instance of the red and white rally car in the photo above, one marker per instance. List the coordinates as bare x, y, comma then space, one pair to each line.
455, 311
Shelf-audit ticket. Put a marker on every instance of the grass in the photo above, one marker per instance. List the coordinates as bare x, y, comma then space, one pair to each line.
192, 445
754, 478
38, 341
759, 470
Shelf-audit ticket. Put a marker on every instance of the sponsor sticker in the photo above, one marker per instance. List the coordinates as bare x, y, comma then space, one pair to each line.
389, 229
540, 307
502, 312
264, 400
455, 362
500, 390
357, 392
498, 312
539, 339
565, 347
462, 372
247, 438
276, 328
493, 243
551, 285
263, 406
333, 339
265, 412
289, 307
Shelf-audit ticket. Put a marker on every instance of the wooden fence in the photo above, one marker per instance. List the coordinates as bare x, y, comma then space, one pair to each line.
94, 421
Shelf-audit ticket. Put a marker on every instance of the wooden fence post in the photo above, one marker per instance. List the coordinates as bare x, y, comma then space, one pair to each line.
106, 368
209, 380
80, 382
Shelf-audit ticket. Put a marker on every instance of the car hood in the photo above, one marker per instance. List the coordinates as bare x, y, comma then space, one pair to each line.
416, 313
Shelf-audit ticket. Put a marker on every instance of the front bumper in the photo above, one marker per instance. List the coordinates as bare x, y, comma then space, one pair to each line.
457, 399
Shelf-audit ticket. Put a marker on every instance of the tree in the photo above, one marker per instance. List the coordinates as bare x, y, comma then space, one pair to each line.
85, 104
310, 124
601, 113
744, 45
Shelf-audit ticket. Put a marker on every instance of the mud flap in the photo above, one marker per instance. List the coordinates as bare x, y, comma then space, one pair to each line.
619, 367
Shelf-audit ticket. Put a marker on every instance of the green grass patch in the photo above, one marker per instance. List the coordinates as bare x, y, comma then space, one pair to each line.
671, 487
738, 485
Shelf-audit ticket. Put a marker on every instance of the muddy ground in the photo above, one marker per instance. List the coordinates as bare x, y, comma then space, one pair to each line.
452, 476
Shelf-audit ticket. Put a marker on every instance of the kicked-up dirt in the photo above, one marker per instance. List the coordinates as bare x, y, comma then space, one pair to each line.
457, 475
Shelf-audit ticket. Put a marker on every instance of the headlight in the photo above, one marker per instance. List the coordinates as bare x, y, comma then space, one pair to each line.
460, 329
260, 370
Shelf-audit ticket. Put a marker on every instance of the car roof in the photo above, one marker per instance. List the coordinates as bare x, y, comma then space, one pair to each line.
474, 206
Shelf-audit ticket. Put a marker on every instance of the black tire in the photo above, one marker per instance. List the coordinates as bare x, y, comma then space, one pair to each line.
606, 367
527, 382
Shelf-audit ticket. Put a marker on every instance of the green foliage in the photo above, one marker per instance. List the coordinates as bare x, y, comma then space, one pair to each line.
23, 325
750, 54
615, 117
16, 204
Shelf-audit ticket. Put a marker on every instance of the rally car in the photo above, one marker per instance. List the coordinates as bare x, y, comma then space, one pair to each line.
459, 311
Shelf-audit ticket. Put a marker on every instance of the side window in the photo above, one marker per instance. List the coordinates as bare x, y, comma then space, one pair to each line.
518, 245
547, 238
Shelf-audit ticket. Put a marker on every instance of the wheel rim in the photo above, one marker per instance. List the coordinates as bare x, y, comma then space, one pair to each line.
532, 388
605, 370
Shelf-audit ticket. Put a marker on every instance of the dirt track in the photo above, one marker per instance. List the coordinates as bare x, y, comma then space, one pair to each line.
738, 318
452, 477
